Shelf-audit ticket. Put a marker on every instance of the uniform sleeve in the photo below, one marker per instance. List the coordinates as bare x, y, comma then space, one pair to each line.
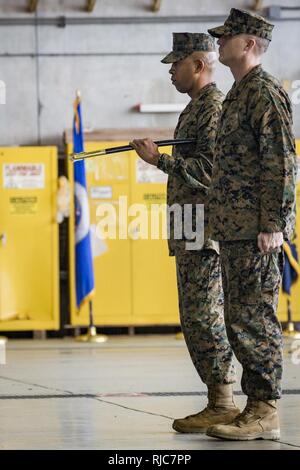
272, 121
195, 170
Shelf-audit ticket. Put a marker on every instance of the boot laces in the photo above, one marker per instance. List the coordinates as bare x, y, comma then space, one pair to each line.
246, 416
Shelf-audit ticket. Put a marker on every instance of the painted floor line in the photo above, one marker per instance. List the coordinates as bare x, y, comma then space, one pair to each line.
68, 394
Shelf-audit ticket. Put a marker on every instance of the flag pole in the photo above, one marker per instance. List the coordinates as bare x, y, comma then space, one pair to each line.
3, 341
179, 335
91, 335
83, 250
289, 331
292, 261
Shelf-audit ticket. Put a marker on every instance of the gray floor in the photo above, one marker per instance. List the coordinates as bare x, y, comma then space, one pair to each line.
124, 394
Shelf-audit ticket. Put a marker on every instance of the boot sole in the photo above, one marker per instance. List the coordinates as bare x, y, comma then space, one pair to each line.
195, 430
273, 435
189, 431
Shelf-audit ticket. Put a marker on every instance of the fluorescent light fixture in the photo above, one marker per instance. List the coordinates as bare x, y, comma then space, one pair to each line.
160, 107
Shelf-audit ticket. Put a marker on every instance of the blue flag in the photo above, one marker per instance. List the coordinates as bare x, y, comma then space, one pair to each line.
291, 270
83, 251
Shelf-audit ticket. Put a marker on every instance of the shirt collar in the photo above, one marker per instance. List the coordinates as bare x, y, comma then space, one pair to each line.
200, 95
204, 90
237, 87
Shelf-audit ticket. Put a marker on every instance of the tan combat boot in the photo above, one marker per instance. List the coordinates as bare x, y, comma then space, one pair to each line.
259, 420
220, 410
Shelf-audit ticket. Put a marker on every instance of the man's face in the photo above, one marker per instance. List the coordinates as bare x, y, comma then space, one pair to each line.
231, 49
183, 74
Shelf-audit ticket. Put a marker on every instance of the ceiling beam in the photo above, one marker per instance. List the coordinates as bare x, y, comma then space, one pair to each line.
90, 5
156, 4
32, 5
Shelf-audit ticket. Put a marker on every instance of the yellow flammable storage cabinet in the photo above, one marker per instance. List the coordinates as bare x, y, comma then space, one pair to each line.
134, 277
29, 272
295, 289
154, 287
107, 179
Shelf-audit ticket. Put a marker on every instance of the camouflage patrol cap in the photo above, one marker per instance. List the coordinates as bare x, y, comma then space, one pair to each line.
185, 44
243, 22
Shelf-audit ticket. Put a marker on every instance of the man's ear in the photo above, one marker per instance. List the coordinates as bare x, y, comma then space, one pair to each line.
250, 44
199, 65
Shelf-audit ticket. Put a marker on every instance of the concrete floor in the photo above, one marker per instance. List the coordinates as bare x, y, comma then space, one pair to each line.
124, 394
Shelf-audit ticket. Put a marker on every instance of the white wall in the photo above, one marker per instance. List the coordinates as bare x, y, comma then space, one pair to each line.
115, 66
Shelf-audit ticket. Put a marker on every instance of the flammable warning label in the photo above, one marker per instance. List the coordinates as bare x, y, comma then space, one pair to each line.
23, 205
24, 176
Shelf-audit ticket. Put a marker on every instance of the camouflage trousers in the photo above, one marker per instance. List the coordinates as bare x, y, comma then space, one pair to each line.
251, 282
202, 315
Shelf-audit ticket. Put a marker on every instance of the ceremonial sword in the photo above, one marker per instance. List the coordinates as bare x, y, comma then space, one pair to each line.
96, 153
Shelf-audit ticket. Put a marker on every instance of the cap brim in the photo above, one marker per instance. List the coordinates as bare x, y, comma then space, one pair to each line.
173, 57
218, 31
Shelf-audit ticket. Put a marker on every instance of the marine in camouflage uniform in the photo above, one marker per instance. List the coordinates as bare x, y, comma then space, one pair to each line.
189, 170
253, 192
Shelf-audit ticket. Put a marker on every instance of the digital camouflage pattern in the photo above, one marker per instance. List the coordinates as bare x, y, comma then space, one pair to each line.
254, 175
189, 168
243, 22
202, 316
253, 191
251, 283
185, 44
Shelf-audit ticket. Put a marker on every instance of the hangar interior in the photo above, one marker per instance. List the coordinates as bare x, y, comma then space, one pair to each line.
80, 378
